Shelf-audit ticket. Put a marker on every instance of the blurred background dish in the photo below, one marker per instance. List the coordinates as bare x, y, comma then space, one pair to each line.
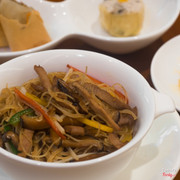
165, 69
20, 27
80, 19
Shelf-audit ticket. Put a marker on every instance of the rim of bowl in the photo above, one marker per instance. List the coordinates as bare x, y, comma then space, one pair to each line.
122, 150
13, 54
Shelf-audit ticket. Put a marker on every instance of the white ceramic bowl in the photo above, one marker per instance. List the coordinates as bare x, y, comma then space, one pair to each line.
80, 19
106, 69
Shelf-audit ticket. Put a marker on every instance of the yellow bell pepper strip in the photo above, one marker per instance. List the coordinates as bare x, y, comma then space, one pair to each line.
96, 125
38, 108
120, 95
126, 138
35, 98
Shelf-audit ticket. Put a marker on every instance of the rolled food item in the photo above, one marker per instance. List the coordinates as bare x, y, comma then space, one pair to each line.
122, 18
22, 25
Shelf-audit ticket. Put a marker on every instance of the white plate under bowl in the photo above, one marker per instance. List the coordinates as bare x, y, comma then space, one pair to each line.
165, 69
80, 19
158, 157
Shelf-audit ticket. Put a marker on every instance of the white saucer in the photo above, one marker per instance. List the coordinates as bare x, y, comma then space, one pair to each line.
159, 155
165, 69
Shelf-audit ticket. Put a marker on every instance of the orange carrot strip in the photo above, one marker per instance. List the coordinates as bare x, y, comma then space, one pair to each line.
121, 96
38, 108
124, 98
95, 80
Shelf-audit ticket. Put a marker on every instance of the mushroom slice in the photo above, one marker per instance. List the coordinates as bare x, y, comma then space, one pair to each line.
82, 143
75, 130
62, 85
115, 141
34, 122
38, 87
11, 136
43, 77
128, 116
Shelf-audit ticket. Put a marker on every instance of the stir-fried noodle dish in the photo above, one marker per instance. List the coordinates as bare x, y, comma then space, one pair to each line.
65, 117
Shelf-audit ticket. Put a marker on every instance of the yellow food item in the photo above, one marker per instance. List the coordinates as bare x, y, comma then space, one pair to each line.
3, 40
122, 18
96, 125
23, 26
25, 36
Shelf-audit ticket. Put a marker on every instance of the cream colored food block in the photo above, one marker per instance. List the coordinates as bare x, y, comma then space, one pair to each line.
122, 19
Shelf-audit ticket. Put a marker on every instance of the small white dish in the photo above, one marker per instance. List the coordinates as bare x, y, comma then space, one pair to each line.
80, 19
165, 69
158, 156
